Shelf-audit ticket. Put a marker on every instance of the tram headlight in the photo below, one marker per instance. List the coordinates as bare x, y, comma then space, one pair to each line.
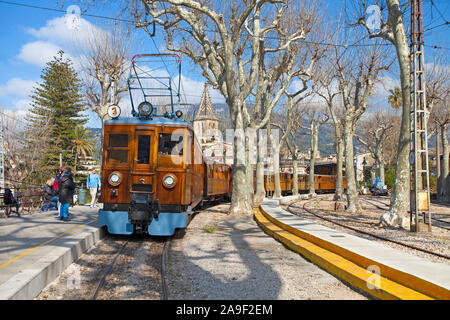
115, 178
169, 181
145, 109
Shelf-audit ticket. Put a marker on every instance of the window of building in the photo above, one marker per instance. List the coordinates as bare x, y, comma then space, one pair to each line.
170, 144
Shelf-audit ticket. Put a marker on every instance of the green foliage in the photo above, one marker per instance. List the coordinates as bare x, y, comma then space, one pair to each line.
209, 229
82, 143
389, 176
433, 183
395, 98
57, 103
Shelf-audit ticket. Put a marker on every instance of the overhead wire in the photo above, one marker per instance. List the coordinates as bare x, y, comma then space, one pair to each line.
207, 30
439, 12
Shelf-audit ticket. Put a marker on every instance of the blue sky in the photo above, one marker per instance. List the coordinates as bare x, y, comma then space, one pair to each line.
32, 36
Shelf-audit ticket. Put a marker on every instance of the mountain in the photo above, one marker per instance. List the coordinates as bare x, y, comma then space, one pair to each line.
96, 136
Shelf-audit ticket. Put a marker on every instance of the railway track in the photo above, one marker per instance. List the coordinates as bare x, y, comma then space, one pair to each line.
102, 281
371, 200
315, 213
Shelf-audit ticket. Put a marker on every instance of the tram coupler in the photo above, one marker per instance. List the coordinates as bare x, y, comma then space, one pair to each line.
142, 210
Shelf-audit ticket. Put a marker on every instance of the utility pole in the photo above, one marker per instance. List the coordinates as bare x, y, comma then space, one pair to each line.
418, 157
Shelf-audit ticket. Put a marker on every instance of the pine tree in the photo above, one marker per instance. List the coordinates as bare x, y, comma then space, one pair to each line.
57, 102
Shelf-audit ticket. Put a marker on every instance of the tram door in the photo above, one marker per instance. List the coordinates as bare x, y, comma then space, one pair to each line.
143, 167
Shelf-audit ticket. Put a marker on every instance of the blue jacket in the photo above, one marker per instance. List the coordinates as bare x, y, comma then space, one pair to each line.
93, 181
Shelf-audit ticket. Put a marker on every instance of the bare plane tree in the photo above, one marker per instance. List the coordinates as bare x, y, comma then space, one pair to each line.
441, 119
287, 123
24, 150
105, 62
393, 31
316, 116
326, 87
357, 70
227, 44
372, 133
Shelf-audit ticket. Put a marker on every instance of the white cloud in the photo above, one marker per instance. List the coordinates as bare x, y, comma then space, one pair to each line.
19, 109
21, 105
59, 31
193, 90
382, 87
38, 53
18, 87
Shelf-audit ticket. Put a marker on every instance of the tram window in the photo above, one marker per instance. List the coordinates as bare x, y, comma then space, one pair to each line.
118, 140
170, 144
120, 156
143, 154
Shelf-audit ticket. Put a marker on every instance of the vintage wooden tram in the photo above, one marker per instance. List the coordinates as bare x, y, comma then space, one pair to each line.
153, 170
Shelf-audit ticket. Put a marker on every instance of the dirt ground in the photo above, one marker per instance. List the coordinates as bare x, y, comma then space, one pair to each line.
230, 258
217, 257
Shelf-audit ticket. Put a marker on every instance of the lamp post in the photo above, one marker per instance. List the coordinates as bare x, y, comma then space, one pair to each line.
364, 163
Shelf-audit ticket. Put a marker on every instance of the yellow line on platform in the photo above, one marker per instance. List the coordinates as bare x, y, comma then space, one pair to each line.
377, 286
43, 244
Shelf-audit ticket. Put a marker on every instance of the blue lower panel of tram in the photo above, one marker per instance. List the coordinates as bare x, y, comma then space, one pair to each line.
117, 222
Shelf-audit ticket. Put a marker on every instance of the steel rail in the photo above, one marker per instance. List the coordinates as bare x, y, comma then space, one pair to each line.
107, 271
432, 218
364, 232
165, 288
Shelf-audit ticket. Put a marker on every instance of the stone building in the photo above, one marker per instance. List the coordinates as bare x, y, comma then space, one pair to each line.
206, 129
205, 120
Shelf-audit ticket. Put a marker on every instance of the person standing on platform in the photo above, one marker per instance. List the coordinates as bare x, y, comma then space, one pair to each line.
56, 182
66, 187
94, 185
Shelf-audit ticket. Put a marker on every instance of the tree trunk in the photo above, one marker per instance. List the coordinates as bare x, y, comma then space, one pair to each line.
276, 168
445, 165
240, 202
312, 162
294, 177
379, 161
382, 171
438, 168
260, 191
249, 168
339, 193
352, 195
262, 149
400, 194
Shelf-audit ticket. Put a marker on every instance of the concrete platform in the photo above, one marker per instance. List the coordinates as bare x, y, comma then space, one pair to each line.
36, 248
432, 279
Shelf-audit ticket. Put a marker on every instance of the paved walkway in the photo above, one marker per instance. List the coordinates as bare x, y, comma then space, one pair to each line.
36, 248
412, 271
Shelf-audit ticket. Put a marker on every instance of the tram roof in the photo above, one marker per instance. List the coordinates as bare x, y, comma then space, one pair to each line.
154, 120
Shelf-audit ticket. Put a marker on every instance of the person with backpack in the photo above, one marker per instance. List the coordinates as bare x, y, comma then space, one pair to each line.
3, 203
66, 188
50, 198
57, 178
56, 184
9, 200
93, 184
